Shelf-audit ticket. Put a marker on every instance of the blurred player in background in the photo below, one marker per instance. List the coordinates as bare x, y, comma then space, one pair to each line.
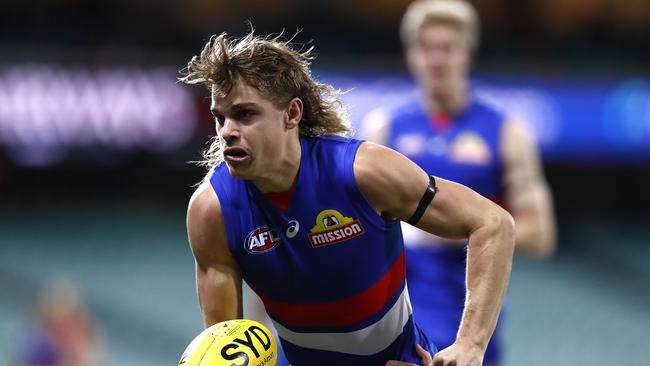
63, 333
311, 220
449, 131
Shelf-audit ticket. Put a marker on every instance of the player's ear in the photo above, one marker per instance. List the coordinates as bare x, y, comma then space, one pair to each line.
294, 113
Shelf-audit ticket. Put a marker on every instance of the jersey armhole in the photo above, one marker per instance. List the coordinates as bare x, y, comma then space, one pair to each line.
225, 201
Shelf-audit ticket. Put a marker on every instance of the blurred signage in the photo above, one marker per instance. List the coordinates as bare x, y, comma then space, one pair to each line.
46, 110
572, 119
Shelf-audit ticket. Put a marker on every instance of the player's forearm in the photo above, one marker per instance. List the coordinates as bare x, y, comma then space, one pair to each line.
219, 296
489, 261
213, 312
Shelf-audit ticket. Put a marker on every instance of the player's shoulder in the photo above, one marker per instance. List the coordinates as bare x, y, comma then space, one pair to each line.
515, 137
372, 159
384, 176
205, 225
206, 229
204, 207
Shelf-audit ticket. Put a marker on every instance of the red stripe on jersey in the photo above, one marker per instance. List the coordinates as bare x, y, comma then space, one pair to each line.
344, 312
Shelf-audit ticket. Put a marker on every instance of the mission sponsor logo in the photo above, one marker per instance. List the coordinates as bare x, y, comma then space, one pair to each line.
261, 240
332, 227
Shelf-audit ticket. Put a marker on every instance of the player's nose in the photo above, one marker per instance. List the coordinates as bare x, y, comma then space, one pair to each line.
229, 130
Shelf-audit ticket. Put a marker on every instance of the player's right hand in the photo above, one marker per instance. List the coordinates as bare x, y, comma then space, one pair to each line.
459, 354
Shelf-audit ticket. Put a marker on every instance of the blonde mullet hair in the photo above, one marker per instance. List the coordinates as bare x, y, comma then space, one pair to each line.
277, 71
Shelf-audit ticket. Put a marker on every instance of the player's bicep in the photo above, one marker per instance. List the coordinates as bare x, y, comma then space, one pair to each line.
388, 180
218, 278
395, 186
455, 211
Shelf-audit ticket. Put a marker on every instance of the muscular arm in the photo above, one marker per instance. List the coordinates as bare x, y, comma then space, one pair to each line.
394, 186
218, 280
527, 195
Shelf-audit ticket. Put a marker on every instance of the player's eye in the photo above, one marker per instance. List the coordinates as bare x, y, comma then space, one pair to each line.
220, 118
244, 114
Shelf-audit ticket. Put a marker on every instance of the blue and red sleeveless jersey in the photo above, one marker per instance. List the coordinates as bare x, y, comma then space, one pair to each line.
329, 270
466, 149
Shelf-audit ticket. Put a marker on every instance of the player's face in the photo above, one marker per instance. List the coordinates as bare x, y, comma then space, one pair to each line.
440, 58
251, 130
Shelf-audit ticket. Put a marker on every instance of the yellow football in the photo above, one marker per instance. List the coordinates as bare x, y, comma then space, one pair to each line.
238, 342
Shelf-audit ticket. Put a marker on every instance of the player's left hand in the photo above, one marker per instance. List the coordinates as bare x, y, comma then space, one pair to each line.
459, 354
424, 356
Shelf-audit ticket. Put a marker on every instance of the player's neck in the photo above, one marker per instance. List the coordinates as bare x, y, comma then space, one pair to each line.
448, 102
281, 175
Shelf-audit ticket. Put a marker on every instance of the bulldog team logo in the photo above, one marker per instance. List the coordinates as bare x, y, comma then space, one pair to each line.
261, 240
470, 148
332, 227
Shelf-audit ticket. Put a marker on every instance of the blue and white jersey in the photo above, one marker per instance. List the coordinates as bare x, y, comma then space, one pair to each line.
329, 270
465, 149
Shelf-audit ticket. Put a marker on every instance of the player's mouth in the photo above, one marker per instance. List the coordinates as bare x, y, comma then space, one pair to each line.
236, 156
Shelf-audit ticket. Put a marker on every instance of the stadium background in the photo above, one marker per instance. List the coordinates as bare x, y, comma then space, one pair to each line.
95, 136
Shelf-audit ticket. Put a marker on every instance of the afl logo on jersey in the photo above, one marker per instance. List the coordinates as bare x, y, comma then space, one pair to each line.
332, 227
261, 240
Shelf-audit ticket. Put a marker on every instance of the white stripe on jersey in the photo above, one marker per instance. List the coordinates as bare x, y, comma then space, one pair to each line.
367, 341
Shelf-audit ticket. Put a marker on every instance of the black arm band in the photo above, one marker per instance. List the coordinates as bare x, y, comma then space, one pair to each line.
427, 197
